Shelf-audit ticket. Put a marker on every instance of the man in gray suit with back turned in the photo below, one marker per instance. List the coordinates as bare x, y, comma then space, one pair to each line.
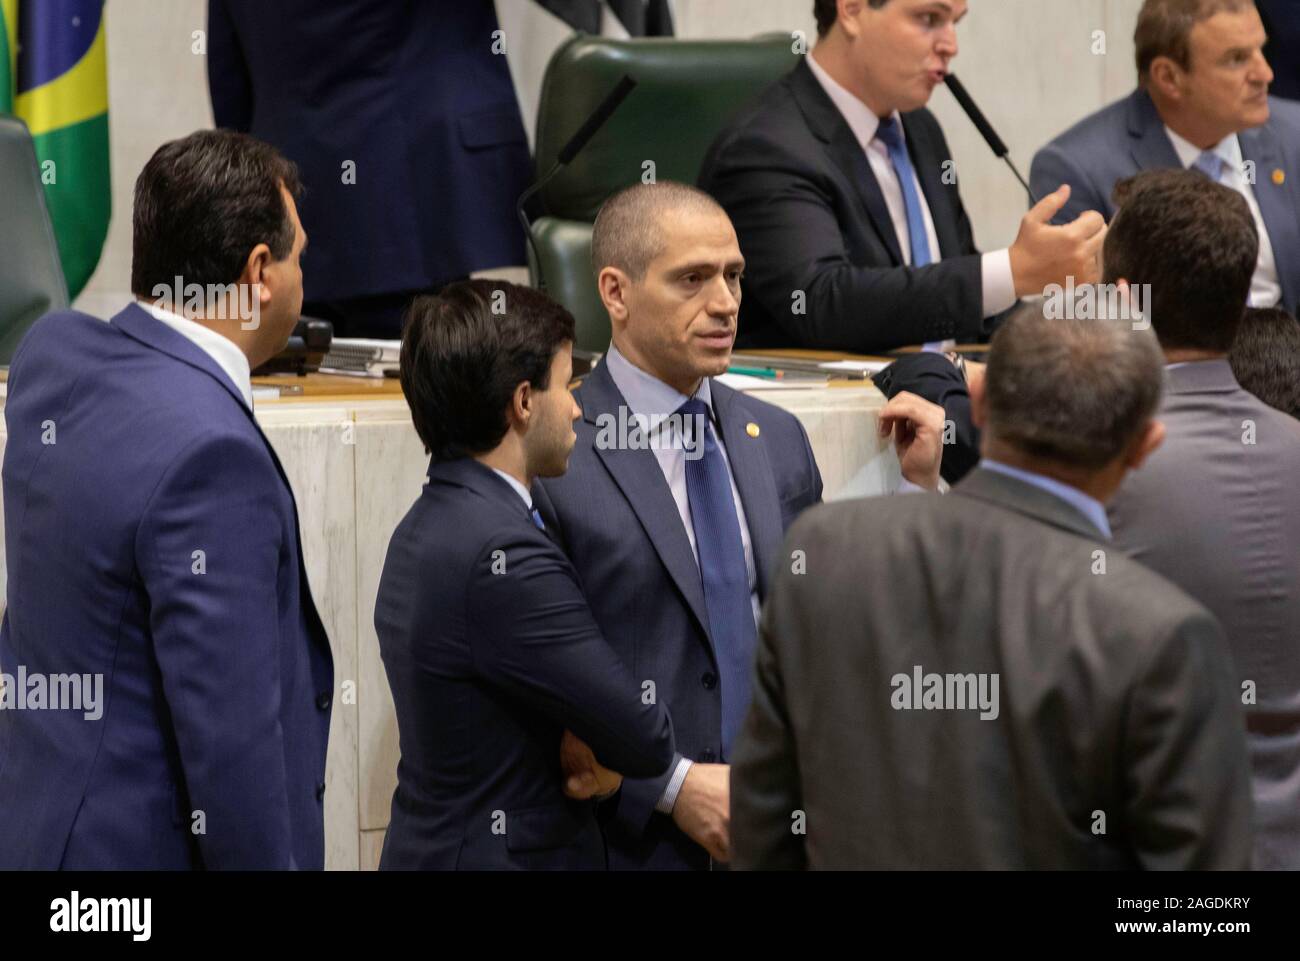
1217, 509
980, 680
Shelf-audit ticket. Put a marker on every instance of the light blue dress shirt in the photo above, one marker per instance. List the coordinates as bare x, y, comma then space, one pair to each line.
1089, 507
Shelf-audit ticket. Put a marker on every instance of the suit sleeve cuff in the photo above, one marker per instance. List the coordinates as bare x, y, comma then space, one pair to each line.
669, 798
999, 284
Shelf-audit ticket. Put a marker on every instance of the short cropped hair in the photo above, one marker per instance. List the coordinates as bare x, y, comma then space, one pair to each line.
1195, 243
827, 12
465, 351
1071, 392
1265, 358
202, 203
1164, 29
628, 233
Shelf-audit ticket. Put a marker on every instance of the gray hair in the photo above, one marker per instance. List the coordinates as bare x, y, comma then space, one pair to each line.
1073, 392
628, 232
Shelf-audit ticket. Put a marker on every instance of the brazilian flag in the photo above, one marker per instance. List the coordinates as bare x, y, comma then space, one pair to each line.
53, 75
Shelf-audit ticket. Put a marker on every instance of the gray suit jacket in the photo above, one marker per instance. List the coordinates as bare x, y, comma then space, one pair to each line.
1115, 712
1220, 517
1128, 137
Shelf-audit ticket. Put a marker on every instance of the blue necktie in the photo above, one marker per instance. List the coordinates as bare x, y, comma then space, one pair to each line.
1210, 164
537, 520
891, 136
722, 570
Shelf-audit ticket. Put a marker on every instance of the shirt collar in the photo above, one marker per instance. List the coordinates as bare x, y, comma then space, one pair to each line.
1090, 507
520, 489
860, 118
223, 351
1228, 150
647, 395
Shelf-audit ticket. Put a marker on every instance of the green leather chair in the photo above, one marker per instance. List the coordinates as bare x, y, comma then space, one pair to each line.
686, 92
31, 276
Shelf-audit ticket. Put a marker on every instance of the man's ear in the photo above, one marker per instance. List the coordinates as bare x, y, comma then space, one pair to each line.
521, 406
254, 272
613, 285
1144, 445
977, 401
849, 11
1167, 77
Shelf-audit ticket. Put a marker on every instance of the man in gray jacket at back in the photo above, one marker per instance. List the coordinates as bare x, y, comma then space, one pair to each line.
1217, 509
982, 680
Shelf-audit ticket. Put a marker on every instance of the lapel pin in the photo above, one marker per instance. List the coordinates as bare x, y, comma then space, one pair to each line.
1279, 176
751, 429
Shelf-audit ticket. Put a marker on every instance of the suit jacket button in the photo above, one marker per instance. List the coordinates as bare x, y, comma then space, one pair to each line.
707, 755
709, 680
323, 700
320, 791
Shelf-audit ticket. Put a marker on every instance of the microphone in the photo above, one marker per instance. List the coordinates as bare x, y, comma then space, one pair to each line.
613, 100
986, 130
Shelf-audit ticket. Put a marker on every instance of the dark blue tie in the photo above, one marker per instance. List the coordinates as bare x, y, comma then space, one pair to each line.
537, 520
891, 136
722, 570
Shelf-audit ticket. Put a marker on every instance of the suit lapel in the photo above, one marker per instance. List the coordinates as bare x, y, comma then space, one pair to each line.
754, 479
927, 163
1281, 217
1151, 148
827, 124
637, 474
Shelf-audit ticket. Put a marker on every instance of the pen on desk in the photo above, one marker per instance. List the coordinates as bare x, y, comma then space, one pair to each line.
756, 372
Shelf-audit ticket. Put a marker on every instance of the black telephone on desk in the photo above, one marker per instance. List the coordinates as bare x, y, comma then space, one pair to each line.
307, 347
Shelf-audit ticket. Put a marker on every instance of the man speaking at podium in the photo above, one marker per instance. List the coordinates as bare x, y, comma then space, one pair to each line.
841, 188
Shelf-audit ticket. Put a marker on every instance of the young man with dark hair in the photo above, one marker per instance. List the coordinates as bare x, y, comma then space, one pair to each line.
153, 548
835, 179
490, 648
1216, 509
1202, 103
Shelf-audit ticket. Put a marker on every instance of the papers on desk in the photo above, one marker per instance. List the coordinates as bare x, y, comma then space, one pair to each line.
361, 356
746, 382
857, 366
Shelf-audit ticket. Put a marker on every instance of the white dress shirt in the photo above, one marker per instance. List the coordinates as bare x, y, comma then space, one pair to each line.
651, 399
1265, 287
524, 493
998, 283
227, 356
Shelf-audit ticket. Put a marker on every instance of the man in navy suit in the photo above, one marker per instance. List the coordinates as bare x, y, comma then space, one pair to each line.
404, 122
490, 649
153, 550
1202, 103
675, 504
